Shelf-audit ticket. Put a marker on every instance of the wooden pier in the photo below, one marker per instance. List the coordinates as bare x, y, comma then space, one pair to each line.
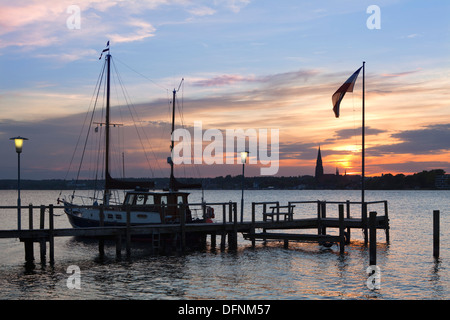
269, 221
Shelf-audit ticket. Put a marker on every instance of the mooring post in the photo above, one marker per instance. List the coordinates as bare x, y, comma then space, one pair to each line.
224, 232
235, 227
348, 217
42, 217
341, 229
213, 240
319, 217
252, 228
28, 243
183, 226
324, 215
29, 255
51, 235
230, 219
42, 242
365, 222
30, 226
373, 238
264, 218
128, 234
436, 233
30, 216
101, 240
278, 211
386, 220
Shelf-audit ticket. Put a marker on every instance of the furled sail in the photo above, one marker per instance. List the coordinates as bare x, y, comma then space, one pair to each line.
111, 183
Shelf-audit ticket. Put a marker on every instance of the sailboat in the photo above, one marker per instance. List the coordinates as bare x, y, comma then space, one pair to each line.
145, 206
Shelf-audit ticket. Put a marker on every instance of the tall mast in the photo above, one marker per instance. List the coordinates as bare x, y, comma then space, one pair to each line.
107, 122
363, 134
171, 182
172, 177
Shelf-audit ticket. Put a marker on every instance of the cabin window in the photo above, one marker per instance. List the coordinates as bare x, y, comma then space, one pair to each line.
142, 216
110, 216
180, 199
164, 200
140, 199
130, 199
150, 200
118, 217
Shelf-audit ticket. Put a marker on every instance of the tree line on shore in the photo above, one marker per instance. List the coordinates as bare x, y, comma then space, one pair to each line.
420, 180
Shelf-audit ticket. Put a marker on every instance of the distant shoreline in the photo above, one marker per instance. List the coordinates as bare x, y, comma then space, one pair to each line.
425, 180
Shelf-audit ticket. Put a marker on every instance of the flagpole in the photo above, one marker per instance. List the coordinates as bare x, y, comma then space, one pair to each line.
363, 135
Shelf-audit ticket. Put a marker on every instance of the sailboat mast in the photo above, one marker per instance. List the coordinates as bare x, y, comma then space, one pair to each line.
171, 140
363, 134
172, 177
107, 122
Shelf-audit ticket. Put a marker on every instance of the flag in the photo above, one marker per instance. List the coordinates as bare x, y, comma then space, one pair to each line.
346, 87
104, 50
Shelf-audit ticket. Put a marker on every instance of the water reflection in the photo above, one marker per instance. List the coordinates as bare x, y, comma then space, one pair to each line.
303, 271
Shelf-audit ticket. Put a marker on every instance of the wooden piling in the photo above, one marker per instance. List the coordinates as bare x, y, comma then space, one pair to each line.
386, 221
323, 230
51, 240
224, 232
29, 243
183, 226
230, 219
252, 228
341, 229
319, 217
348, 217
29, 255
373, 238
213, 240
436, 233
101, 240
128, 233
364, 222
235, 227
30, 216
42, 242
30, 227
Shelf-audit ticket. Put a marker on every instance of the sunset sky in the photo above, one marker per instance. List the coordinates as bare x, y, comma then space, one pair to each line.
246, 64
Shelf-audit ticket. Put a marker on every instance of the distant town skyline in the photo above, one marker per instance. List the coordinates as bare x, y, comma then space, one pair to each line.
246, 65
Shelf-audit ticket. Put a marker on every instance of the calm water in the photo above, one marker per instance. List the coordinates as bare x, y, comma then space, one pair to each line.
304, 271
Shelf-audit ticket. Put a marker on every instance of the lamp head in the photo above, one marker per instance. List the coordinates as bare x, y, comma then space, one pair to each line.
18, 141
244, 155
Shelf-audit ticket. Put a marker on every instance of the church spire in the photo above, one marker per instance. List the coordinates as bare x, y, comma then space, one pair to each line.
319, 165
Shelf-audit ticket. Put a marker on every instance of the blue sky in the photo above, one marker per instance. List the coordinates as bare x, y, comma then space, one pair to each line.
246, 64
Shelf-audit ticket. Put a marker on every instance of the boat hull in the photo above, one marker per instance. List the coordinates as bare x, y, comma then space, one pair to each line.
77, 218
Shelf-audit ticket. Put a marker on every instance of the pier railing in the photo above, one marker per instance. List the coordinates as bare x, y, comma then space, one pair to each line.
320, 212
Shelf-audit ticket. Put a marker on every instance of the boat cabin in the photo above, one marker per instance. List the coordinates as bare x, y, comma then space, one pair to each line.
166, 203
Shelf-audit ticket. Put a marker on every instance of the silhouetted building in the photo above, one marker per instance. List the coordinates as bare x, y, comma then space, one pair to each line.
319, 166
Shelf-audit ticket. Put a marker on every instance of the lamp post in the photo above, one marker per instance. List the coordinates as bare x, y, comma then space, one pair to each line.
244, 155
18, 141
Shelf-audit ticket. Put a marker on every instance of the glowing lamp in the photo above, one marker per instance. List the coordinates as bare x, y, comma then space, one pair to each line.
18, 141
244, 155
